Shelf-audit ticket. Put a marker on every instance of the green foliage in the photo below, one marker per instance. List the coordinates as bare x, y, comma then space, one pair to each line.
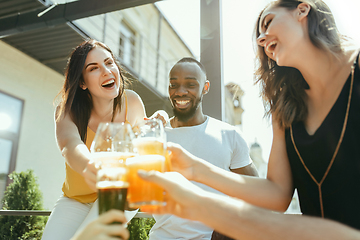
139, 228
22, 194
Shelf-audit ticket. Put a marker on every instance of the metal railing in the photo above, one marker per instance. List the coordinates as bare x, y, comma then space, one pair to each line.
48, 212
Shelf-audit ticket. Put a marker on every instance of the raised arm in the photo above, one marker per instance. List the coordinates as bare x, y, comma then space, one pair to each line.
74, 150
238, 219
274, 193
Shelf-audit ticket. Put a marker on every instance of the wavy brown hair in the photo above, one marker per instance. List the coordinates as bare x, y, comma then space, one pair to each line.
76, 101
283, 88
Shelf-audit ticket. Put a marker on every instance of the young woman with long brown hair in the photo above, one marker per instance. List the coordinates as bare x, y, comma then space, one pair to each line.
94, 91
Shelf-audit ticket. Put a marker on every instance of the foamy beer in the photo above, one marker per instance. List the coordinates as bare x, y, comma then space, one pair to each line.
151, 139
110, 159
149, 146
143, 193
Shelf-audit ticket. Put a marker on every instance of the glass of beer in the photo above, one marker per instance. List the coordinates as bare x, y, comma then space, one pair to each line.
112, 185
150, 138
143, 194
150, 144
111, 146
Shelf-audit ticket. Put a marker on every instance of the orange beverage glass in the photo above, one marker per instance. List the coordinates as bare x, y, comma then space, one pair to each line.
149, 146
151, 139
143, 193
110, 159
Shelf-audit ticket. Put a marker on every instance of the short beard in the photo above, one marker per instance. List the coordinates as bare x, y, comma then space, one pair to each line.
187, 115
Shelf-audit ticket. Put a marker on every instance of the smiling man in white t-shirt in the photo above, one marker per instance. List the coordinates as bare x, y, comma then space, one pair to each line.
215, 141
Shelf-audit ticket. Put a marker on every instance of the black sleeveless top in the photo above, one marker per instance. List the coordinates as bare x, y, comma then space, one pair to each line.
341, 188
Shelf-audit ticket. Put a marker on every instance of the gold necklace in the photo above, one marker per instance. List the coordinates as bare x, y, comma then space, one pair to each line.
319, 184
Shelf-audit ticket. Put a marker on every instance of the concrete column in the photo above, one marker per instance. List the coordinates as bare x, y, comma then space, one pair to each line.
211, 57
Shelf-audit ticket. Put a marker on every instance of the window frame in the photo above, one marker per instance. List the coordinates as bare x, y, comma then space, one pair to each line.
13, 137
133, 42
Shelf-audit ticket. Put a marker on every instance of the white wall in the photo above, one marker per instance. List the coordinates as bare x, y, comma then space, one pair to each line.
37, 85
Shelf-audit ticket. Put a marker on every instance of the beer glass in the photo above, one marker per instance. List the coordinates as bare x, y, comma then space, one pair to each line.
150, 144
150, 137
143, 194
110, 148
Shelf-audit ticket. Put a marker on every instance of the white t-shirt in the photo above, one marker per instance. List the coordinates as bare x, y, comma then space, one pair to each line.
216, 142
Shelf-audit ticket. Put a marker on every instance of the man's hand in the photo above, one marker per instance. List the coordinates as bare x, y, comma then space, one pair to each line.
161, 115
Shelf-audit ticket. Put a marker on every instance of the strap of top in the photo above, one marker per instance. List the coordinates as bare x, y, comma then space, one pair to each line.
125, 107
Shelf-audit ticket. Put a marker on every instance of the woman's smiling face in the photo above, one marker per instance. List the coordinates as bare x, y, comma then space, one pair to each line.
281, 33
101, 74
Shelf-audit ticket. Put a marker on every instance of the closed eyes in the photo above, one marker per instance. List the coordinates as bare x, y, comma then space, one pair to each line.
267, 23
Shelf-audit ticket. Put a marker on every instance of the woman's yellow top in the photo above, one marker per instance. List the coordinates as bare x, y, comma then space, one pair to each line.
74, 185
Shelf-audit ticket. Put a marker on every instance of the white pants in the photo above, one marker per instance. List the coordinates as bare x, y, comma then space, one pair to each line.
67, 217
70, 216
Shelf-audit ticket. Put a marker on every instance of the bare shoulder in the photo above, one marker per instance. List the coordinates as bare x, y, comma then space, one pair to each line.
133, 99
131, 94
60, 115
136, 107
353, 56
57, 112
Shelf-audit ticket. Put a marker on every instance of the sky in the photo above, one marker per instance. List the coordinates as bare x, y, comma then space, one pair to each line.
238, 21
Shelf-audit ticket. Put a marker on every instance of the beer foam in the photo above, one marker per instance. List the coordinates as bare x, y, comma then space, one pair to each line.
140, 140
110, 159
145, 158
97, 155
112, 174
111, 184
112, 171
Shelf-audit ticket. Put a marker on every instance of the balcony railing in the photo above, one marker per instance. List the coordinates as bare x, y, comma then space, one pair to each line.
47, 213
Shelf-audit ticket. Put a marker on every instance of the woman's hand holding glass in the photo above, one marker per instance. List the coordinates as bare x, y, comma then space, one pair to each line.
183, 162
89, 175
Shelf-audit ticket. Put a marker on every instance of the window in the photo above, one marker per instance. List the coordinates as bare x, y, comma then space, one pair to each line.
127, 45
11, 109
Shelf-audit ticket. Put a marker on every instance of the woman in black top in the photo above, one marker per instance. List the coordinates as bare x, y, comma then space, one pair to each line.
311, 88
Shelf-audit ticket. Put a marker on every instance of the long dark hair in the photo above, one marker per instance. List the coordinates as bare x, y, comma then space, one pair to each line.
283, 88
76, 101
